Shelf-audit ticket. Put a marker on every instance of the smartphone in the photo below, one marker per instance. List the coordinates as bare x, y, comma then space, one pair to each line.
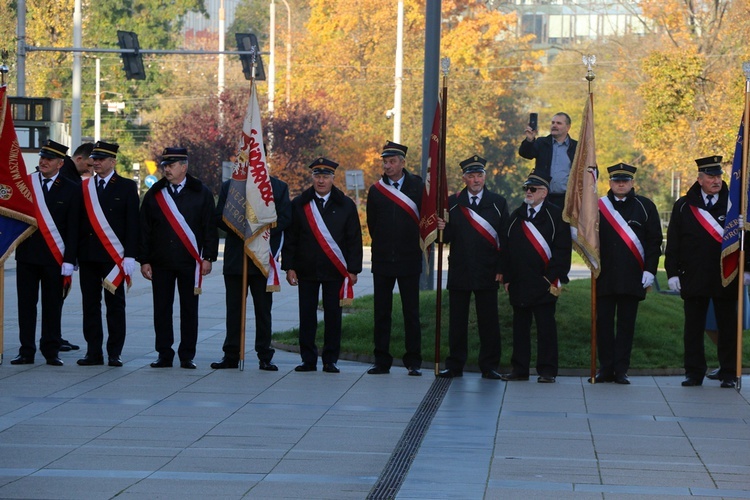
533, 120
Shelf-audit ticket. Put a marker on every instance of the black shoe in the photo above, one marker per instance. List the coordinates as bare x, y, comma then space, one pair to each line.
91, 360
55, 361
713, 374
491, 375
66, 346
331, 368
225, 363
414, 371
448, 373
267, 366
513, 377
692, 382
188, 363
622, 379
114, 361
541, 379
22, 360
602, 378
378, 370
306, 367
728, 383
162, 363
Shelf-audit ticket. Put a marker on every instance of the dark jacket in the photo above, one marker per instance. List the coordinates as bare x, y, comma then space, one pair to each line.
541, 151
70, 171
119, 202
473, 261
301, 251
64, 204
159, 244
692, 253
524, 269
395, 234
620, 271
234, 245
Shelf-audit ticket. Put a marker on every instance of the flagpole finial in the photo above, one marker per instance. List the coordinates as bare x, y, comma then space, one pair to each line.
589, 62
445, 65
746, 69
3, 67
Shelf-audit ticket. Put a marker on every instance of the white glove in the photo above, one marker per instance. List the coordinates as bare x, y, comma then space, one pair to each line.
128, 265
647, 280
67, 269
746, 279
674, 283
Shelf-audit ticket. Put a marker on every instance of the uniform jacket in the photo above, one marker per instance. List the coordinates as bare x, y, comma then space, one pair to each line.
234, 245
64, 203
159, 244
541, 151
301, 251
620, 271
395, 235
692, 254
523, 268
473, 262
69, 170
119, 203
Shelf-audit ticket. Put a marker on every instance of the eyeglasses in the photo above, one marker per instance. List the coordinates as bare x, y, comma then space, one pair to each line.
529, 188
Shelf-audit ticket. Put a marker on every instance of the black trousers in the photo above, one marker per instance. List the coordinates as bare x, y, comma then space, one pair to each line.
262, 303
308, 320
726, 346
92, 276
28, 279
487, 324
163, 285
408, 287
546, 334
614, 345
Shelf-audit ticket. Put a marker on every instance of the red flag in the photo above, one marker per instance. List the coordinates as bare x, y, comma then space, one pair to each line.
17, 220
435, 181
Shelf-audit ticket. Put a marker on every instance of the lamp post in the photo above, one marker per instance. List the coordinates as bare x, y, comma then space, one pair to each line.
288, 52
272, 57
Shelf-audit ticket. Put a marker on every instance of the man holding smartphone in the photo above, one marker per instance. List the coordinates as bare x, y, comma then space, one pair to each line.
553, 154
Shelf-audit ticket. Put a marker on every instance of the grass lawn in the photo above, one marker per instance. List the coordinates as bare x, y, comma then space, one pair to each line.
657, 344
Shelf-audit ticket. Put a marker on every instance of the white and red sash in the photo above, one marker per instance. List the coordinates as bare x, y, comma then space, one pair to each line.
47, 225
540, 245
331, 249
399, 199
483, 227
180, 226
106, 236
623, 230
707, 221
273, 284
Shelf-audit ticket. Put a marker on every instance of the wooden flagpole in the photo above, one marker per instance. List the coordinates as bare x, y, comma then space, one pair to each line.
440, 209
743, 215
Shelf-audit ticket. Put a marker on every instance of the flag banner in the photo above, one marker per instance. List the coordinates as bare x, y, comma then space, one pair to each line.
730, 244
250, 209
582, 199
428, 211
17, 220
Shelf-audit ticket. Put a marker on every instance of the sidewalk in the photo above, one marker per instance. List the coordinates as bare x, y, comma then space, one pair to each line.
138, 432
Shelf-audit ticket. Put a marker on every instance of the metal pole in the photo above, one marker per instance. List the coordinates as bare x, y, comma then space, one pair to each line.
288, 53
97, 104
222, 29
399, 73
272, 58
21, 57
75, 111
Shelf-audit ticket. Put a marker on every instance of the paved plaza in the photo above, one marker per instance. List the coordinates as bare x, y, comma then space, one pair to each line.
138, 432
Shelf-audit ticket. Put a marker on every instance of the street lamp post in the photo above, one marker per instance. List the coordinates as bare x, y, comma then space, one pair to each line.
272, 57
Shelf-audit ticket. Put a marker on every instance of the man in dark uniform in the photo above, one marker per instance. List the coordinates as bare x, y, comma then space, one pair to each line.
256, 282
693, 265
536, 262
178, 243
630, 244
47, 257
476, 219
322, 249
393, 220
106, 253
553, 154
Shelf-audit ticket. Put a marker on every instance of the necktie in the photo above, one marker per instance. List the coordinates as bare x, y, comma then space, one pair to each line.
100, 187
321, 202
45, 185
531, 212
709, 200
175, 190
395, 184
474, 201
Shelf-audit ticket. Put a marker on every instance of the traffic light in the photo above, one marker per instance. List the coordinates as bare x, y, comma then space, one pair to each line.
132, 62
248, 42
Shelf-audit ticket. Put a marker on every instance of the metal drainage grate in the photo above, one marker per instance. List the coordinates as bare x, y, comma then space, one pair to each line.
403, 455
